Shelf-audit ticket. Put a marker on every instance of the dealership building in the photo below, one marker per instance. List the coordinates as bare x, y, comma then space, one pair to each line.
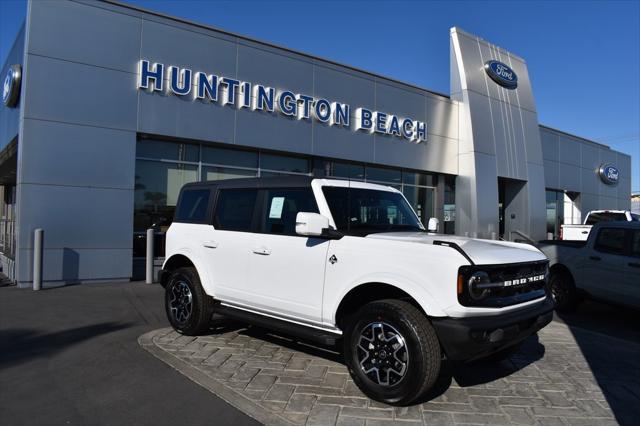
109, 109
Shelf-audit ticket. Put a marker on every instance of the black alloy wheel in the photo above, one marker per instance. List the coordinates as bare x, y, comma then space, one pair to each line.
188, 307
392, 351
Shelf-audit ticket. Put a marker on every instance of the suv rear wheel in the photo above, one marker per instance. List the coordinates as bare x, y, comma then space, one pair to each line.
392, 351
188, 307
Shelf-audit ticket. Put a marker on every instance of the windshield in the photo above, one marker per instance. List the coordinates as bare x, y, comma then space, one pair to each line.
359, 211
594, 218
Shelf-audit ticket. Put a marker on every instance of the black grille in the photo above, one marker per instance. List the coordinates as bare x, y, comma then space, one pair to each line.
510, 294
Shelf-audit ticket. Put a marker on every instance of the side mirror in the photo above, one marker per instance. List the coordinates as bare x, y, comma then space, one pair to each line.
433, 225
311, 224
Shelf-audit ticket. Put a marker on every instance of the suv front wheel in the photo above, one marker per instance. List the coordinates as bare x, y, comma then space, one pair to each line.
188, 307
392, 351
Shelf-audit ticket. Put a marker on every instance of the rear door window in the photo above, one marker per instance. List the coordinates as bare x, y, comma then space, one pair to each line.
611, 240
605, 217
234, 209
635, 243
193, 206
281, 206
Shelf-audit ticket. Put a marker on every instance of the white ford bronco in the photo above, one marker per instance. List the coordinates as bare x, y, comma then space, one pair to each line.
350, 263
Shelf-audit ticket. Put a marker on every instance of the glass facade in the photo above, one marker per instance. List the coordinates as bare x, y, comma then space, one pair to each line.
163, 167
8, 221
555, 213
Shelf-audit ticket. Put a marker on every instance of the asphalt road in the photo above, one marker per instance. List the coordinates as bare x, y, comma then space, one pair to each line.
70, 356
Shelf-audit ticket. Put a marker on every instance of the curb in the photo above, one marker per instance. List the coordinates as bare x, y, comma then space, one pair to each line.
242, 403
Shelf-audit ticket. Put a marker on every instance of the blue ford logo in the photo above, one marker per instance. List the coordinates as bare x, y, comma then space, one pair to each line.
609, 174
11, 86
501, 74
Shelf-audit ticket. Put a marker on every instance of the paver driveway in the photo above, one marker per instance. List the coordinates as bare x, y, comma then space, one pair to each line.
562, 376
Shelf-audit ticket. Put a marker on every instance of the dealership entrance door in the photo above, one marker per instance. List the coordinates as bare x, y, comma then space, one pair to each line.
510, 208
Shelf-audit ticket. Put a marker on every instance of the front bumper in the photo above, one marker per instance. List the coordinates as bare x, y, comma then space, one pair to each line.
467, 339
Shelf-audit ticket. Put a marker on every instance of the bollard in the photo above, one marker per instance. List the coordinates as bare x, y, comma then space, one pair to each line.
149, 260
38, 237
494, 236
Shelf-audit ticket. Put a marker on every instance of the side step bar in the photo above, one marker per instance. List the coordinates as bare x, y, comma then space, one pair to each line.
285, 327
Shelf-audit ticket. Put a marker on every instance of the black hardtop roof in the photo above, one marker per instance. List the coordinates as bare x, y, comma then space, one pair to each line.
258, 182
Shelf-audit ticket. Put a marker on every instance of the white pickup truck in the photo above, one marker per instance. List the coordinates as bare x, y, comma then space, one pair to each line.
605, 267
350, 262
581, 232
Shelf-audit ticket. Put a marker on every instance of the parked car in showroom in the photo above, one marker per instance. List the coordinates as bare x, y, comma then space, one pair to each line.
350, 263
606, 266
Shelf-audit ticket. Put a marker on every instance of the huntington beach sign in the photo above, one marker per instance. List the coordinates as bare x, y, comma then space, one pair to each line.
205, 87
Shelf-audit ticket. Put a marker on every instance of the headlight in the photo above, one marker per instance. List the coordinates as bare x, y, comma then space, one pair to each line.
476, 292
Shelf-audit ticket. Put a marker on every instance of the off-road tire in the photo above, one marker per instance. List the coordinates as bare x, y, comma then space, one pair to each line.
563, 289
199, 315
422, 350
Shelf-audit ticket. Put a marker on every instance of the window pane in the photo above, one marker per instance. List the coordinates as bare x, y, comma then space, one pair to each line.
605, 217
383, 175
635, 247
286, 164
418, 179
282, 206
611, 240
551, 218
157, 188
348, 171
421, 199
193, 206
365, 211
221, 173
449, 204
555, 212
234, 209
229, 157
167, 150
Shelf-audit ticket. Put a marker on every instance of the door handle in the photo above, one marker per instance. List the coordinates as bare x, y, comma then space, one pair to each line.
585, 232
595, 258
634, 265
261, 250
210, 244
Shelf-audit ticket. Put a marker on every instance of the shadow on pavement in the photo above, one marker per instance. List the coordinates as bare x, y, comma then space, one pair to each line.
465, 374
486, 371
22, 345
609, 339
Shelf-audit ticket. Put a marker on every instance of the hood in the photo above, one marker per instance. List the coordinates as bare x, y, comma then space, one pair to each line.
482, 252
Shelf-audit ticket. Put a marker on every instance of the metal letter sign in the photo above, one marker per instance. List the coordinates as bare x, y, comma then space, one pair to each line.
501, 74
11, 86
205, 87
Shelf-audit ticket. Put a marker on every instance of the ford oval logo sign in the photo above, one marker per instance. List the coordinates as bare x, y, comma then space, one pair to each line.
501, 74
609, 174
11, 86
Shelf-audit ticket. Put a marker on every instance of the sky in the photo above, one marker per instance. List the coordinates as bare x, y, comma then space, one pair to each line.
583, 56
